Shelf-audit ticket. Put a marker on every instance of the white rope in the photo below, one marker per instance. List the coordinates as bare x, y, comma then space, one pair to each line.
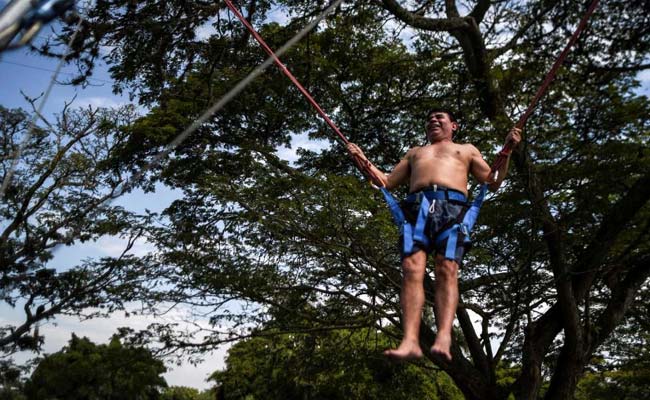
32, 122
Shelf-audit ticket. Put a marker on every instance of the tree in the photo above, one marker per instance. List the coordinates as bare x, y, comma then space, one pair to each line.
60, 195
11, 385
84, 370
325, 365
186, 393
561, 252
628, 375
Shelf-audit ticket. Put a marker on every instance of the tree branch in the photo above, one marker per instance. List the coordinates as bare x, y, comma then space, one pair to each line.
473, 342
451, 9
540, 333
429, 24
495, 53
480, 9
622, 297
613, 224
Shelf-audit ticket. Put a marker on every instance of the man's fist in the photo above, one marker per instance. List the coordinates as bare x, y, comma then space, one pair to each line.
514, 136
355, 151
365, 166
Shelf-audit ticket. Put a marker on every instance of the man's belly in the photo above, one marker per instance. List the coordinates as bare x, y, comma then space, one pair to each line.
450, 181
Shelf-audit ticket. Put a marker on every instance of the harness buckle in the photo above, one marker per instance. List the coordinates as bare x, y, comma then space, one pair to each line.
464, 229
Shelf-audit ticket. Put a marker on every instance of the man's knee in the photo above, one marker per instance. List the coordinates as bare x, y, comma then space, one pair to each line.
414, 264
446, 269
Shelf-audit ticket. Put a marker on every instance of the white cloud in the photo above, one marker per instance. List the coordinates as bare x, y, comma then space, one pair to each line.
301, 141
156, 201
114, 246
98, 101
206, 30
196, 375
278, 15
57, 333
407, 34
644, 78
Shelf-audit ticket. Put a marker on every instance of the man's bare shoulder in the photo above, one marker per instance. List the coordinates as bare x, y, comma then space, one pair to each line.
412, 151
469, 149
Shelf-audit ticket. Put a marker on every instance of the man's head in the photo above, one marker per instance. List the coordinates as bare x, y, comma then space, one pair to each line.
440, 125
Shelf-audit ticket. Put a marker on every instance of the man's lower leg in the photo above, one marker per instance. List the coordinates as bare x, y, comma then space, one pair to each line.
411, 301
446, 301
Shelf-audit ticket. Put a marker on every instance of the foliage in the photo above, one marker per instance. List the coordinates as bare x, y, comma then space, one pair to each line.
11, 384
624, 384
325, 365
629, 375
84, 370
186, 393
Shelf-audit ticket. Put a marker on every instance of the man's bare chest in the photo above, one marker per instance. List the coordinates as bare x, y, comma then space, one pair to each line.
448, 153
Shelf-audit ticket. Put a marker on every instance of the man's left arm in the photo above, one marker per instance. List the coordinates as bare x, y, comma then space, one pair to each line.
481, 170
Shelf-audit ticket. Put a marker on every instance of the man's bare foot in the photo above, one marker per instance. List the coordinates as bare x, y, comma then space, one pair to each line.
441, 347
406, 351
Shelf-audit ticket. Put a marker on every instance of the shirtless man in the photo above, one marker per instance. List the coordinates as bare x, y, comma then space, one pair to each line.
440, 166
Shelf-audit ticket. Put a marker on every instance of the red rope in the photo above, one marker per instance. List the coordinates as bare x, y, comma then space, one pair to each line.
507, 149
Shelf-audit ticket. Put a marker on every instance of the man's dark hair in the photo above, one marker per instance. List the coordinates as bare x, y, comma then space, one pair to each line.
452, 117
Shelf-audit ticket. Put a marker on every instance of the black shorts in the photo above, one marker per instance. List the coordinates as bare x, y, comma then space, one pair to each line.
442, 215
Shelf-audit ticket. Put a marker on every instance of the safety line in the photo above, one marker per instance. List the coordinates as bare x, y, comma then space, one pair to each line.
32, 122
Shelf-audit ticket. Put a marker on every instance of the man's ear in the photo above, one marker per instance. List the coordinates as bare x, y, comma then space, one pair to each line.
454, 126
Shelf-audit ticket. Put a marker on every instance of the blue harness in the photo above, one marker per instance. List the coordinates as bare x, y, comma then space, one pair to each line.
415, 233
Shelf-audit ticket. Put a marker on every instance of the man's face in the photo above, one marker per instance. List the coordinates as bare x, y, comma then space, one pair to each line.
439, 126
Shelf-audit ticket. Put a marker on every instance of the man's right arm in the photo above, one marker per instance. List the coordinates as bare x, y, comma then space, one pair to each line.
481, 170
398, 176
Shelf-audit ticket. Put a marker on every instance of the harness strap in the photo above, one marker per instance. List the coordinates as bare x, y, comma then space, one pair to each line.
393, 206
407, 238
472, 213
415, 233
420, 222
405, 229
463, 228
